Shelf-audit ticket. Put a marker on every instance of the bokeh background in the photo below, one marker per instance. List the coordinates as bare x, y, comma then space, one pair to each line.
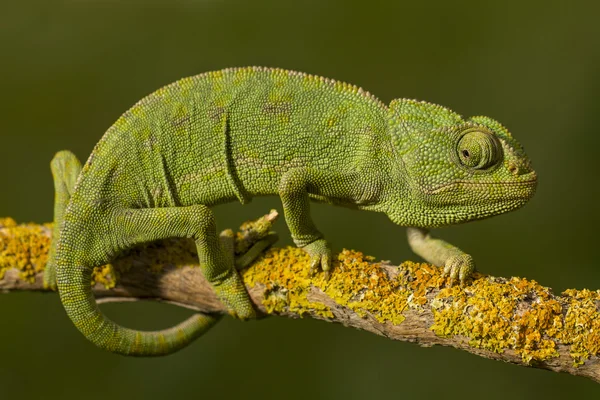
68, 69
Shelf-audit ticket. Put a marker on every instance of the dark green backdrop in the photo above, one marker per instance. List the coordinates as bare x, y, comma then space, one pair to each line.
70, 68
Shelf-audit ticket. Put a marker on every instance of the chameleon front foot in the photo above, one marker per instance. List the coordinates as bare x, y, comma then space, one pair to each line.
320, 256
459, 268
457, 264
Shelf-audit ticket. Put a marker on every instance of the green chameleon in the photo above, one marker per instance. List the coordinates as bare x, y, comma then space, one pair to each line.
237, 133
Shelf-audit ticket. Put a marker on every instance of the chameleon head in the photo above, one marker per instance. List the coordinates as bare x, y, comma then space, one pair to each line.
457, 170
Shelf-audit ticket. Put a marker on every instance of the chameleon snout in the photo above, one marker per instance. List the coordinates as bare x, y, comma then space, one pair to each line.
521, 168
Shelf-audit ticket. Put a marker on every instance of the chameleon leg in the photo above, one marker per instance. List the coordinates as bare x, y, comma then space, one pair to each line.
65, 169
128, 227
143, 225
457, 264
293, 191
227, 239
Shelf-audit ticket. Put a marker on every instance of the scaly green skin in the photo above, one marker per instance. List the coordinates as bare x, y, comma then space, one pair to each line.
238, 133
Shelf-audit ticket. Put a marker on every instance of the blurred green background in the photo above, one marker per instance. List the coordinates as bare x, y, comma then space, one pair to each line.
70, 68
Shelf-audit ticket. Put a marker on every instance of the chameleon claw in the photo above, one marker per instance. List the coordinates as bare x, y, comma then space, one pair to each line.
314, 266
326, 263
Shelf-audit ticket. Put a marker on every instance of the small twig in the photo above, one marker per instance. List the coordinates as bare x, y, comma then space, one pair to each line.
513, 320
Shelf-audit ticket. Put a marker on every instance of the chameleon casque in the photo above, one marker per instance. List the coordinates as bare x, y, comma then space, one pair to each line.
237, 133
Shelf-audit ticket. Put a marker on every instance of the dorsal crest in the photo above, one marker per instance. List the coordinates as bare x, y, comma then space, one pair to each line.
414, 115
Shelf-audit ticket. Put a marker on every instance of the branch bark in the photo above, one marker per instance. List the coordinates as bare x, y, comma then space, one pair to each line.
514, 320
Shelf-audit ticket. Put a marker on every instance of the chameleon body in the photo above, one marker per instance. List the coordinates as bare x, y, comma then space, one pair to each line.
237, 133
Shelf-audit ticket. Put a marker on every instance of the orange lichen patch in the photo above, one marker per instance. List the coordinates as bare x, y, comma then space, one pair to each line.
419, 280
23, 247
537, 319
582, 323
356, 283
499, 314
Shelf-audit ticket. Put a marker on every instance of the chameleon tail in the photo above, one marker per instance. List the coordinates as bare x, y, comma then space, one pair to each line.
74, 286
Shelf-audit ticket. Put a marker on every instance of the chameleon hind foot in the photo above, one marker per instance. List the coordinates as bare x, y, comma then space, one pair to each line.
255, 237
230, 289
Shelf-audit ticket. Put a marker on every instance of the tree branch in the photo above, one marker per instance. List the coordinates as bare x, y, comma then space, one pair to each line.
514, 320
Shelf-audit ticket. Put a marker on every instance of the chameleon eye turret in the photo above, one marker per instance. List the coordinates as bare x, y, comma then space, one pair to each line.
479, 150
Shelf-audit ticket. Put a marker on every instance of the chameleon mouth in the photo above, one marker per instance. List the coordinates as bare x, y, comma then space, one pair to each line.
530, 183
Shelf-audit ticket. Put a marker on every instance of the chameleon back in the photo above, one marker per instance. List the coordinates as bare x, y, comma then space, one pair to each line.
231, 134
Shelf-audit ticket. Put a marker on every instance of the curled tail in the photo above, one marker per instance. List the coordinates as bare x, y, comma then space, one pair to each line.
74, 286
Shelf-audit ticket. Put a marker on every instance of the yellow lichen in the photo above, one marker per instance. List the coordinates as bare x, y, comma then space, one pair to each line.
104, 275
155, 256
364, 287
419, 280
518, 314
23, 247
283, 272
7, 222
357, 284
495, 314
491, 313
582, 323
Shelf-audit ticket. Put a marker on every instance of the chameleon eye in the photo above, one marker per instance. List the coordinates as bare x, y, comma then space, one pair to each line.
478, 150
